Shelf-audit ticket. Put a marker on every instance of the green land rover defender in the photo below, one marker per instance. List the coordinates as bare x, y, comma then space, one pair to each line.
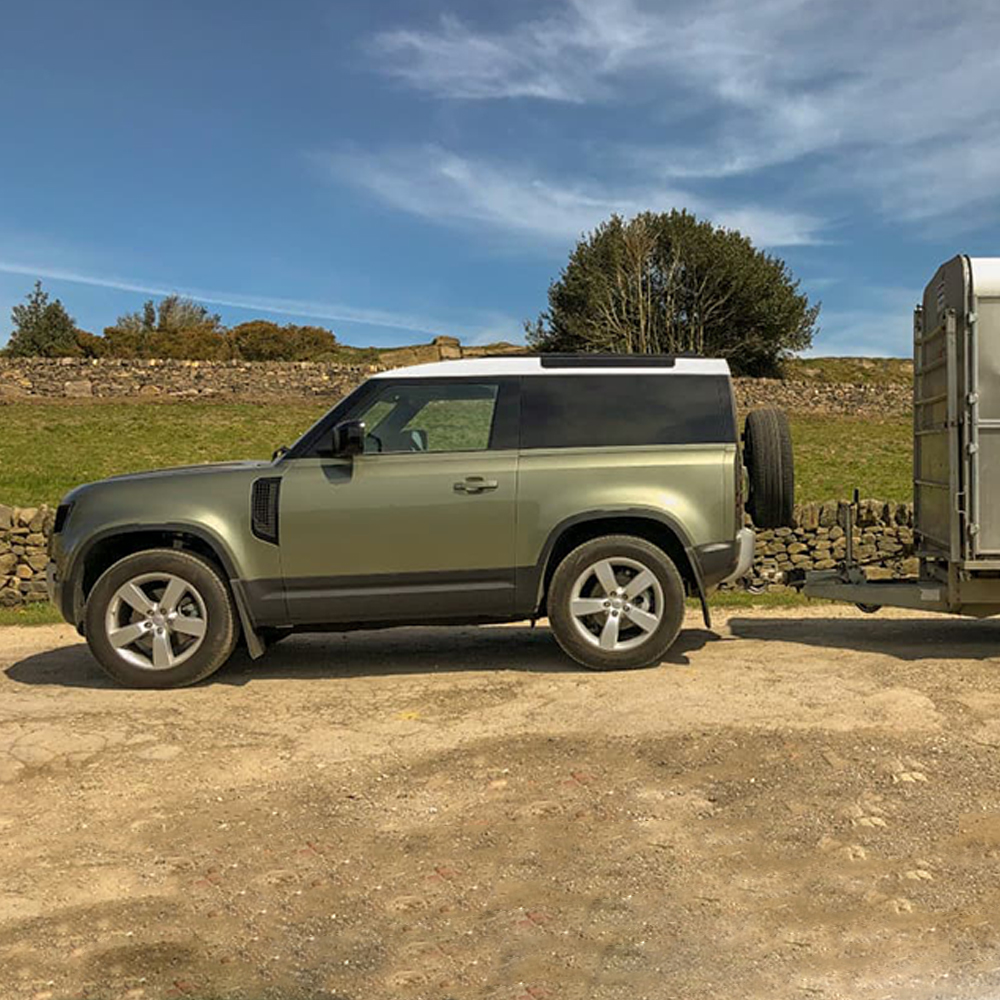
596, 491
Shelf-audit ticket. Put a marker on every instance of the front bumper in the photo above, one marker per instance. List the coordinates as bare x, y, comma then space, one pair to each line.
746, 542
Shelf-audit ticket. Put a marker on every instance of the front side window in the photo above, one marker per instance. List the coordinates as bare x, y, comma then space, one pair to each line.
437, 416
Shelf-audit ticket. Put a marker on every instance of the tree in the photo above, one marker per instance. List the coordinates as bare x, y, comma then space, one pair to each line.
176, 328
42, 328
667, 283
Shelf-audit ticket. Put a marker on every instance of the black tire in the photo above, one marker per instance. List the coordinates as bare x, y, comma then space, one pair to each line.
219, 626
767, 454
569, 634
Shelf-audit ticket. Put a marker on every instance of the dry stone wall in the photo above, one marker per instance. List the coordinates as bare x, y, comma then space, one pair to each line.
883, 541
24, 539
111, 378
835, 398
883, 538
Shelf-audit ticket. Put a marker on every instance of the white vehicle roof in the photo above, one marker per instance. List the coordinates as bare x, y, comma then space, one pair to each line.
628, 364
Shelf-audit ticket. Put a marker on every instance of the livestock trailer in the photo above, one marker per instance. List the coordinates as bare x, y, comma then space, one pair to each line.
956, 454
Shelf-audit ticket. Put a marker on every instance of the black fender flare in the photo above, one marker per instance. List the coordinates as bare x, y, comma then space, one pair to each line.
540, 571
74, 575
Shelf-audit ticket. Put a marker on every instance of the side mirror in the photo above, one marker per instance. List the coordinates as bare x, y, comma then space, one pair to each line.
349, 438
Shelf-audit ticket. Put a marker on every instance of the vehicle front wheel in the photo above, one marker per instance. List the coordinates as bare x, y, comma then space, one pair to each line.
162, 618
616, 603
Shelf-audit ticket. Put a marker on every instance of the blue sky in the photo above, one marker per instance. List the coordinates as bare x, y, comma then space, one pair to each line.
396, 169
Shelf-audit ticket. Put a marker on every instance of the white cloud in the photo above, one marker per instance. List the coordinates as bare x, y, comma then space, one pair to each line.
281, 306
439, 185
896, 99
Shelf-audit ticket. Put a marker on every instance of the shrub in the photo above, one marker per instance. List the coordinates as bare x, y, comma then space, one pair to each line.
262, 340
89, 345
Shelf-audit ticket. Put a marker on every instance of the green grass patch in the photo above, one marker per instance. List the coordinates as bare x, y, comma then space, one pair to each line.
30, 614
835, 454
48, 448
867, 371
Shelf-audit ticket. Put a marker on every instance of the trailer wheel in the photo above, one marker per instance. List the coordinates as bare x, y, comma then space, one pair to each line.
767, 454
869, 609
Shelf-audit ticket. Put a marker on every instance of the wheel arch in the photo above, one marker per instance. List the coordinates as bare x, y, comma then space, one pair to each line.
657, 527
104, 548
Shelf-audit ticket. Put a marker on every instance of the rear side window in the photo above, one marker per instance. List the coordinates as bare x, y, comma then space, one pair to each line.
600, 411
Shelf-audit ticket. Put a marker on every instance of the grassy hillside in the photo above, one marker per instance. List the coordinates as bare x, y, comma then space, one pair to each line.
45, 449
867, 371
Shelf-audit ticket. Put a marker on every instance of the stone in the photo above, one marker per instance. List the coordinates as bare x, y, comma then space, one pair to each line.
836, 532
38, 562
7, 563
149, 390
6, 516
37, 523
824, 564
796, 547
26, 515
24, 572
808, 516
828, 514
36, 539
78, 389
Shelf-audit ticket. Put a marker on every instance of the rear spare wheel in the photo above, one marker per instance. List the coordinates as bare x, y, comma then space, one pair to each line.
767, 454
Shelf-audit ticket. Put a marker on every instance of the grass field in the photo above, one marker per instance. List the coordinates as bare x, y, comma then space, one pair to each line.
863, 371
47, 448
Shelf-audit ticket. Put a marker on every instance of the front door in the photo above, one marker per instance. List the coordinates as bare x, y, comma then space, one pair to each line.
418, 528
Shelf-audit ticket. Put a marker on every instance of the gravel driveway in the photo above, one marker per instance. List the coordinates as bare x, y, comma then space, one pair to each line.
798, 804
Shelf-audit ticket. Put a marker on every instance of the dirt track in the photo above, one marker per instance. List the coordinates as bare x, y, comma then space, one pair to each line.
800, 804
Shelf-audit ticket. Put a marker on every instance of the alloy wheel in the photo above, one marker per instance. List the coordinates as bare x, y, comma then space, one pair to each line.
156, 621
616, 604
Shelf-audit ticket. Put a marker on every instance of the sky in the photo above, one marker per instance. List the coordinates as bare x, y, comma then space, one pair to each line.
403, 168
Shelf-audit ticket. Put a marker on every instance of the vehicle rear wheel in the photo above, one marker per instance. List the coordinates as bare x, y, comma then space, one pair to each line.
162, 618
616, 603
767, 454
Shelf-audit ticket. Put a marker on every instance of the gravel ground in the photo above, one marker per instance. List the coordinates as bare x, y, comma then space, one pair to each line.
801, 803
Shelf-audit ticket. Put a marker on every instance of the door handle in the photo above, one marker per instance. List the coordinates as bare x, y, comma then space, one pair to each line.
475, 484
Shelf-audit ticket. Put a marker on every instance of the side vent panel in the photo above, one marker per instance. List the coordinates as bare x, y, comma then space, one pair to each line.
264, 509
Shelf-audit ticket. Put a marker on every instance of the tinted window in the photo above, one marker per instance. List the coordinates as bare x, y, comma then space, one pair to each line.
581, 411
444, 416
